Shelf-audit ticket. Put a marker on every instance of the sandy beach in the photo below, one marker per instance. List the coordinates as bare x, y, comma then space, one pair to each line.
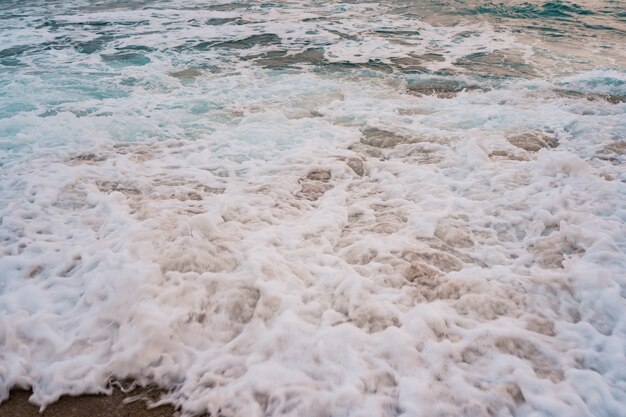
82, 406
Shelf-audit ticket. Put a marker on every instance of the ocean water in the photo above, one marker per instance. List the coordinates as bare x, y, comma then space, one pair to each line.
395, 208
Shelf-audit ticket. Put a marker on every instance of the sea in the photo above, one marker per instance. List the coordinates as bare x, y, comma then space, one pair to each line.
316, 208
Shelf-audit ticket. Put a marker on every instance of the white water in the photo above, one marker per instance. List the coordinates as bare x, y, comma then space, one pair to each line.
245, 238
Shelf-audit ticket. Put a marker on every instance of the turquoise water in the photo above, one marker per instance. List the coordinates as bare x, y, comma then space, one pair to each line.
71, 57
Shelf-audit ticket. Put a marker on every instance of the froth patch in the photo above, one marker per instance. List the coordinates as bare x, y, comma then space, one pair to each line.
287, 241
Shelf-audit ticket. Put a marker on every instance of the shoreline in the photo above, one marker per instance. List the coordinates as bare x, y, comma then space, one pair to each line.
99, 405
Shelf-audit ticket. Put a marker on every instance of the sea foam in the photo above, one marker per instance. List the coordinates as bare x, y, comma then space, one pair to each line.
346, 236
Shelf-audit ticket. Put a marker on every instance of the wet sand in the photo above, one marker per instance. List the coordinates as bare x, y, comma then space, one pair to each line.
85, 405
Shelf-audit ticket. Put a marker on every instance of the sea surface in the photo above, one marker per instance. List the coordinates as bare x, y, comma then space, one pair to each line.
293, 208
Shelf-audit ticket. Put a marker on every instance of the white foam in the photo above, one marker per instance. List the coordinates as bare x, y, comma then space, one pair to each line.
240, 240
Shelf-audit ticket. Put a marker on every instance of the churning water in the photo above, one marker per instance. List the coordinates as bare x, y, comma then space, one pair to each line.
391, 208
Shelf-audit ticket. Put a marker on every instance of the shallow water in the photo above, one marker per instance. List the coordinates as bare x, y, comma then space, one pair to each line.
338, 209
